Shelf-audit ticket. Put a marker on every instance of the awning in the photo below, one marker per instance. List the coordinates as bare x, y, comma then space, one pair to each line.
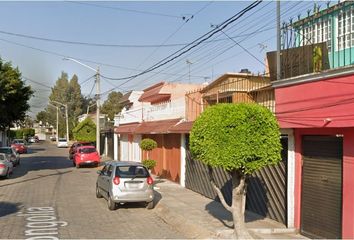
156, 127
183, 127
127, 128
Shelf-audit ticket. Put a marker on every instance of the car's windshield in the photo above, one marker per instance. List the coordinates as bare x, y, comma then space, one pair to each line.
19, 141
87, 150
6, 150
62, 139
131, 171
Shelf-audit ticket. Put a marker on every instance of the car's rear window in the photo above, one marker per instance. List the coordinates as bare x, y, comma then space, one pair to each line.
87, 150
131, 171
62, 140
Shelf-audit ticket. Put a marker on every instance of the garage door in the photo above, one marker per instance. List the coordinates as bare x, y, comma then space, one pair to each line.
321, 200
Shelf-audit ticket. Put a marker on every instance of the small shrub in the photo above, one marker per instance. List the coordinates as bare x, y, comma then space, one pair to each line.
149, 163
148, 144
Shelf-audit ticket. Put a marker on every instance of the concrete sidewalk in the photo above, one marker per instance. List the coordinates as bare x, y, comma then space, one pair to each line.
200, 217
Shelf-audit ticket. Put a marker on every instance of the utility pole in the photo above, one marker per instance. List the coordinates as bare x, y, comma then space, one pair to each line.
98, 90
98, 93
278, 41
67, 122
57, 135
66, 116
189, 70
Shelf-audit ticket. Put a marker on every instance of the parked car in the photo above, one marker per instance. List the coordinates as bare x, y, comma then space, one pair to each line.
86, 155
52, 138
62, 142
33, 139
75, 145
120, 182
11, 154
19, 145
6, 167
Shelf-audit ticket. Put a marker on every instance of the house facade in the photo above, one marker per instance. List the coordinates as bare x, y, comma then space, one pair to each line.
151, 115
268, 189
319, 108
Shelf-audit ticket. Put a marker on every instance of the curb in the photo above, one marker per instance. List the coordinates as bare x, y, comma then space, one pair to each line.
273, 230
189, 228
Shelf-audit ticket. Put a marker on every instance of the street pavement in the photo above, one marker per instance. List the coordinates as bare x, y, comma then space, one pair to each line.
47, 197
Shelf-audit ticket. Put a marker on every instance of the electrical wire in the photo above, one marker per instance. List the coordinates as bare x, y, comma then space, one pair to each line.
129, 10
193, 44
207, 57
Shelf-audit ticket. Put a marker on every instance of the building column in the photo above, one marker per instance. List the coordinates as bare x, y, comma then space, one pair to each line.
290, 178
183, 160
115, 144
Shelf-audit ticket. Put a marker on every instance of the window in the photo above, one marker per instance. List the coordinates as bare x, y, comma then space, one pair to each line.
87, 150
109, 170
317, 33
132, 171
345, 29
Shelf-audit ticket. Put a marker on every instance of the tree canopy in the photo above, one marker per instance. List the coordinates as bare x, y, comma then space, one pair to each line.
14, 95
241, 136
112, 106
65, 92
85, 131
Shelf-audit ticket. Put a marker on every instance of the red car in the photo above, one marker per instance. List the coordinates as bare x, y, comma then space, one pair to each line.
19, 145
86, 155
75, 145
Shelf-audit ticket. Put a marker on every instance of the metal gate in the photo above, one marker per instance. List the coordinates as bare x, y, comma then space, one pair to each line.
321, 198
266, 190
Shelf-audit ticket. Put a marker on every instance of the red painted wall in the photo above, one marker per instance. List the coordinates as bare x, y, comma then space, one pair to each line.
308, 105
348, 175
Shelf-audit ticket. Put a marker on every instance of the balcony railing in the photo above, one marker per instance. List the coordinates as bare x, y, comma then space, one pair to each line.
166, 110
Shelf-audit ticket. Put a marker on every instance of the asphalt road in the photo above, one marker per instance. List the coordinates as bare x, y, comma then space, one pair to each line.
48, 198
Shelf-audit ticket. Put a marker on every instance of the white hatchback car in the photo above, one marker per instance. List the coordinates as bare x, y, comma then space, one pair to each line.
120, 182
62, 143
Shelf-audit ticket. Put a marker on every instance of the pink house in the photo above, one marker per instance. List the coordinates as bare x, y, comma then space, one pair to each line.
319, 108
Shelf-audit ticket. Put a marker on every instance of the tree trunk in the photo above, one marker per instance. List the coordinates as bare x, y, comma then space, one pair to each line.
238, 202
238, 205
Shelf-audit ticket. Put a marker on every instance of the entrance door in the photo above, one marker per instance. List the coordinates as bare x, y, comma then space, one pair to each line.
321, 200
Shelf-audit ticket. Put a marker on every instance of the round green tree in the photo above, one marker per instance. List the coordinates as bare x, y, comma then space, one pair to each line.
241, 139
148, 144
85, 131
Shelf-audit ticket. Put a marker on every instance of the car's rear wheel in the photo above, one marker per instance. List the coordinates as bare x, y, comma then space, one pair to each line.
98, 194
150, 205
111, 205
8, 173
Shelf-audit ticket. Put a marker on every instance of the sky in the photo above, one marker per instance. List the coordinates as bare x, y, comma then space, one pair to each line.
124, 38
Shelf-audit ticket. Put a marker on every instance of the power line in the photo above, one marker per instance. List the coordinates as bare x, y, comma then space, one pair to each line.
130, 10
244, 49
80, 59
171, 35
86, 80
218, 54
214, 40
193, 44
104, 44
